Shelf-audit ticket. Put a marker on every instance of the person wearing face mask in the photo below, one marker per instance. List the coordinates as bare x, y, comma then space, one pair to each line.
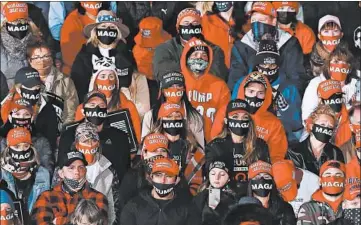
263, 23
7, 209
206, 92
257, 91
287, 21
114, 143
238, 143
100, 173
326, 203
183, 147
316, 148
216, 196
262, 186
172, 90
167, 56
20, 168
170, 207
51, 207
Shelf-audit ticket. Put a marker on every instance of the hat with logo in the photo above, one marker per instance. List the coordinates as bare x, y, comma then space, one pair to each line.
171, 78
71, 157
332, 164
237, 105
166, 165
28, 76
265, 8
328, 19
284, 176
352, 191
328, 88
168, 108
259, 167
20, 104
86, 131
188, 12
15, 10
95, 93
256, 77
220, 164
154, 141
106, 16
18, 135
151, 33
278, 5
200, 46
267, 53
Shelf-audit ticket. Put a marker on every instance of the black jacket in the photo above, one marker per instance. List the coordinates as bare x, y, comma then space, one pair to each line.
282, 212
114, 145
303, 158
82, 69
144, 210
4, 89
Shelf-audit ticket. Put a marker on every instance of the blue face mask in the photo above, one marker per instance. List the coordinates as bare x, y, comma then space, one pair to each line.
223, 6
260, 29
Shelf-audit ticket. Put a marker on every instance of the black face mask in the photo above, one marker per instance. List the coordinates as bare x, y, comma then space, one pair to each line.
148, 163
32, 96
107, 35
238, 127
95, 115
353, 215
190, 31
261, 187
259, 29
254, 103
163, 189
321, 133
286, 17
21, 156
223, 6
21, 122
271, 74
18, 31
173, 127
335, 102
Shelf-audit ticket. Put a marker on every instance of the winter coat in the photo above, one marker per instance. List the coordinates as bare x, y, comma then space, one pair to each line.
207, 93
268, 126
303, 157
353, 170
82, 69
291, 115
167, 58
318, 211
138, 93
144, 209
59, 204
41, 184
3, 86
282, 212
291, 59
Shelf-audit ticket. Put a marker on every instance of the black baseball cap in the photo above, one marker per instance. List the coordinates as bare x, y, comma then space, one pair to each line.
237, 105
95, 93
168, 79
71, 156
28, 76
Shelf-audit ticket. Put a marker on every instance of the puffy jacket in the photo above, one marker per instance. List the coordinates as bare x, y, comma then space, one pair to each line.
291, 59
144, 210
269, 127
303, 157
282, 212
167, 58
207, 93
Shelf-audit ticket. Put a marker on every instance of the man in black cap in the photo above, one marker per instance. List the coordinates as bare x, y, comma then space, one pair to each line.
27, 84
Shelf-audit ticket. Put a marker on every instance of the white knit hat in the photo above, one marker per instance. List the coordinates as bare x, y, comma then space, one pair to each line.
327, 19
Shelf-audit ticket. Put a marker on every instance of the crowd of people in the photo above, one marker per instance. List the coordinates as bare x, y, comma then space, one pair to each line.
180, 113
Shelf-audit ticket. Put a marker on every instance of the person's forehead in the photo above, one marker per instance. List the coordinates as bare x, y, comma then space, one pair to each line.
77, 163
256, 86
257, 15
95, 100
40, 51
216, 170
198, 52
189, 19
332, 171
23, 111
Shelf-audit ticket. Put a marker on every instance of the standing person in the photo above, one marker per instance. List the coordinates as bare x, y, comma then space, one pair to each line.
21, 170
238, 144
263, 22
316, 149
161, 205
87, 212
196, 61
56, 205
167, 56
325, 205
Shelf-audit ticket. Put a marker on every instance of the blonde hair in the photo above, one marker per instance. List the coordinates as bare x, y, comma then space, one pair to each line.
323, 110
91, 211
93, 39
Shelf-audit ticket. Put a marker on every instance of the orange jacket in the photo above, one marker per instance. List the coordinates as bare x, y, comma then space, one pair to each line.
304, 35
206, 93
343, 133
144, 58
124, 104
353, 171
72, 38
216, 30
268, 126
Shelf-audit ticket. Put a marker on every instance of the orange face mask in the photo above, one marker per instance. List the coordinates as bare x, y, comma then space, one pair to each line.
105, 86
173, 94
92, 7
339, 71
88, 151
332, 185
330, 42
6, 217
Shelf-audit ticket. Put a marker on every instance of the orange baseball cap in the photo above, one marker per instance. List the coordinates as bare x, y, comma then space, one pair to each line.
91, 7
259, 167
151, 33
154, 141
328, 88
18, 135
278, 5
19, 105
284, 176
265, 8
166, 165
352, 191
168, 108
15, 10
332, 164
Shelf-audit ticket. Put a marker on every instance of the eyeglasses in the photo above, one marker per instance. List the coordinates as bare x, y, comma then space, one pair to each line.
38, 59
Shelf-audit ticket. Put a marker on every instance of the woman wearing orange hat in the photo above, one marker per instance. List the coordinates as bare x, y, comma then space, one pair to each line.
20, 168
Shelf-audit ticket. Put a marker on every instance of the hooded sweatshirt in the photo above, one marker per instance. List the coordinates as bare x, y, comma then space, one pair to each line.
207, 93
269, 127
